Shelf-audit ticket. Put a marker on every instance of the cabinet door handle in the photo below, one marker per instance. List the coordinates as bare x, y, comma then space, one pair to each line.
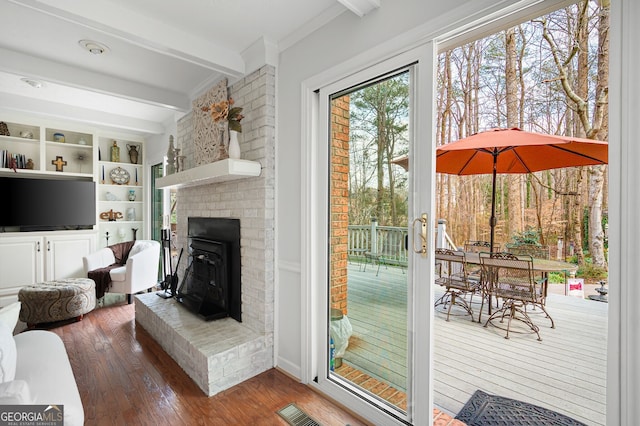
38, 247
48, 245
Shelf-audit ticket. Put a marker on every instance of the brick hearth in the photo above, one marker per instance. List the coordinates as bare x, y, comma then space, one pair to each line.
216, 354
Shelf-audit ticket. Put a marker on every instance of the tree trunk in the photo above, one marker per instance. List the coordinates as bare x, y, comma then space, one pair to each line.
512, 84
596, 173
380, 166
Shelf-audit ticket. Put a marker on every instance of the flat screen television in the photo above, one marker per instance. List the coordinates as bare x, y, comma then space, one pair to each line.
46, 204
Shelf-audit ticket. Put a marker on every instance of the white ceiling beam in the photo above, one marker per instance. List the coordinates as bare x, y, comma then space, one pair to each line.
161, 37
31, 66
87, 116
361, 7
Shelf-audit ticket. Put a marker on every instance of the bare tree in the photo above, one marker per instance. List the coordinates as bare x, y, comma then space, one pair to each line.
512, 85
593, 126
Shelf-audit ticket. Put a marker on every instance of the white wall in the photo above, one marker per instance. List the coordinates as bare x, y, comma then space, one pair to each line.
339, 45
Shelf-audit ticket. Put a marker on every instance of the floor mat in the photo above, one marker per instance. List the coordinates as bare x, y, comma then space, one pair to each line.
296, 417
485, 409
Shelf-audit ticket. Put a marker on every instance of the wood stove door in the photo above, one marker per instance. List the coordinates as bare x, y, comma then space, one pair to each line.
204, 289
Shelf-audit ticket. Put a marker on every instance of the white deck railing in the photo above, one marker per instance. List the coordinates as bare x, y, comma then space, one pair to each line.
388, 242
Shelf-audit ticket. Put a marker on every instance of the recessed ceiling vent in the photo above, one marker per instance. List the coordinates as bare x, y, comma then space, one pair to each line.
93, 47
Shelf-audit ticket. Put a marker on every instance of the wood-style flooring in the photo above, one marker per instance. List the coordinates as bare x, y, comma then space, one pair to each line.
126, 378
565, 372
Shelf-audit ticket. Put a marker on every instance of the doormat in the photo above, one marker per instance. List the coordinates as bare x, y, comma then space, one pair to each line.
483, 409
296, 417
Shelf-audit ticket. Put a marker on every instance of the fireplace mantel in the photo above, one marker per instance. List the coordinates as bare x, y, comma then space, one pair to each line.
219, 171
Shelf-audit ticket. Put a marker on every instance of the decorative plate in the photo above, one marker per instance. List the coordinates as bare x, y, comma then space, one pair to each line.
119, 176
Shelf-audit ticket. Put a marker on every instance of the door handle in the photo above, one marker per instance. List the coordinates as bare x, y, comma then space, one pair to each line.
422, 250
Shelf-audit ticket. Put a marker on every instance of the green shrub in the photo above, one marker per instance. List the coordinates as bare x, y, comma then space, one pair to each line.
591, 272
556, 277
529, 236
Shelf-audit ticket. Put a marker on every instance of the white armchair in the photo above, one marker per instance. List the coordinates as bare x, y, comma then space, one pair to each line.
138, 274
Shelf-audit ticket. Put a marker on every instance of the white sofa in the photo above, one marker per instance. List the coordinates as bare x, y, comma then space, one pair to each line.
138, 274
35, 370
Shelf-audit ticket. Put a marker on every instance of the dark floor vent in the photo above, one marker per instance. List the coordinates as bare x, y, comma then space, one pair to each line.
296, 417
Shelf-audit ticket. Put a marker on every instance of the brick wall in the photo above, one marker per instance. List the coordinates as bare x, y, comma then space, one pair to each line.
251, 200
339, 201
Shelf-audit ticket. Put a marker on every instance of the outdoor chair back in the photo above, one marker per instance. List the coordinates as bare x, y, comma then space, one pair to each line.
457, 282
479, 246
511, 278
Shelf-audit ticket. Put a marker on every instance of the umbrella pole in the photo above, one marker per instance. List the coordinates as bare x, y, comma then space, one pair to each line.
493, 220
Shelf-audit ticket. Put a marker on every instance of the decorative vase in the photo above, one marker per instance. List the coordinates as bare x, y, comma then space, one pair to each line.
131, 214
234, 145
133, 153
115, 152
132, 195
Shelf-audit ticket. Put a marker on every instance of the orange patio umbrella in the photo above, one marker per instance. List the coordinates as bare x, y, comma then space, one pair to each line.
516, 151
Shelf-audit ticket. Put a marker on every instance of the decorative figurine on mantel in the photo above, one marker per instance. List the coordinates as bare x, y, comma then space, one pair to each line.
171, 157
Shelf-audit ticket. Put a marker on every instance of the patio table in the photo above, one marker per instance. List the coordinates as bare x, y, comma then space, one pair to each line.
543, 266
539, 265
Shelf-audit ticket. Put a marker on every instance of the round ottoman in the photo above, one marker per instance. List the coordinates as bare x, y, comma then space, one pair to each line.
57, 300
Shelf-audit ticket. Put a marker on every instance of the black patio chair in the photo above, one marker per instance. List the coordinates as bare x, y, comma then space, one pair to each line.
511, 278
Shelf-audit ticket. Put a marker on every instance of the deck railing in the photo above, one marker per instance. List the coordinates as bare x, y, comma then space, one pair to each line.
388, 242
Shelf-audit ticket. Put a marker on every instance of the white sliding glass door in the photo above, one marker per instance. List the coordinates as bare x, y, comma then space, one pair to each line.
373, 239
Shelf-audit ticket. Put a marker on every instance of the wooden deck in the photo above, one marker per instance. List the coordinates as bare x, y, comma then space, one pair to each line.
565, 372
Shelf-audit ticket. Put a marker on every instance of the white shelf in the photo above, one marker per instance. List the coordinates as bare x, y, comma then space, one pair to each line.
44, 174
220, 171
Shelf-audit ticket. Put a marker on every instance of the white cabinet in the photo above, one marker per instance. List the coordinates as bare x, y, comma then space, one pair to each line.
29, 258
21, 263
64, 255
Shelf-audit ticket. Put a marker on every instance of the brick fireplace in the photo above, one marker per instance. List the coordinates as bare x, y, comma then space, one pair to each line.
222, 353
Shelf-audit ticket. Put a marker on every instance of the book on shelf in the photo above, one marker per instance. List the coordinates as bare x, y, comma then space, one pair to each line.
6, 157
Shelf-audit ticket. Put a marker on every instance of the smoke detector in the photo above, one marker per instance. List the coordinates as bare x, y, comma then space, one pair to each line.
93, 47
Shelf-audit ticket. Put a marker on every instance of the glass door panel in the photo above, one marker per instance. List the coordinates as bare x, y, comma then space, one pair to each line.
369, 293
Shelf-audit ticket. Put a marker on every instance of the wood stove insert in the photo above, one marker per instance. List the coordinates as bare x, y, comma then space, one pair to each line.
211, 287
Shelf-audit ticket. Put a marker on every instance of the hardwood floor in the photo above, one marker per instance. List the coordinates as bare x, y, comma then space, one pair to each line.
126, 378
